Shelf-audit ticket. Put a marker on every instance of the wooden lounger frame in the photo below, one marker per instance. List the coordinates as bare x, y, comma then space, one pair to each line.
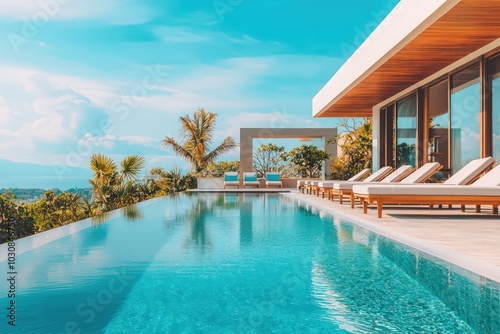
349, 193
462, 200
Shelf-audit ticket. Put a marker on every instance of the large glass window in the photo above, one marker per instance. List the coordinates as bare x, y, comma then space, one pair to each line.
465, 108
438, 124
406, 131
494, 77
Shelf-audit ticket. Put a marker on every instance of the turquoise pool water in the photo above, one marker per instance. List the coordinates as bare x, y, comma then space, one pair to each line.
248, 263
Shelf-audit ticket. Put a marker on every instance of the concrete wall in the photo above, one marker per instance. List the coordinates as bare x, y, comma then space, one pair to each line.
247, 135
210, 183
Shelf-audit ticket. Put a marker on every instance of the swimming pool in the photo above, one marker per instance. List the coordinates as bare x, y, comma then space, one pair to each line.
237, 263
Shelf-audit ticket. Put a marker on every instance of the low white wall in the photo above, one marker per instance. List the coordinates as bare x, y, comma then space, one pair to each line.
218, 183
210, 183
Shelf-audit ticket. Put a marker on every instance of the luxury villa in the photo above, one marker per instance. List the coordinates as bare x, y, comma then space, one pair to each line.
428, 76
254, 262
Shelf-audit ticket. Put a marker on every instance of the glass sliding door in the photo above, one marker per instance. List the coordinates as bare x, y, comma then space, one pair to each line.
406, 131
494, 77
386, 136
465, 109
437, 121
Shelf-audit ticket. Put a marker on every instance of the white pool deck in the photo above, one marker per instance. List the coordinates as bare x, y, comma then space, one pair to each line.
467, 239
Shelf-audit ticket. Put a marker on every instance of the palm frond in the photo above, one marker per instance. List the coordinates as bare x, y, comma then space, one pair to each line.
103, 167
225, 147
131, 166
169, 142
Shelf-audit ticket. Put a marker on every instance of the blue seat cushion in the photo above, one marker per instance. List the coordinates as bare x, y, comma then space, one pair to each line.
273, 177
250, 177
230, 177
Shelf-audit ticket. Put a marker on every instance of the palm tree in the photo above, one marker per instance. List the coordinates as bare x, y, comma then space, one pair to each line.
197, 133
104, 168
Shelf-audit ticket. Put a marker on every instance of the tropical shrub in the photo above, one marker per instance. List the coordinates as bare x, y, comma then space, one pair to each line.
355, 146
217, 169
172, 181
56, 210
114, 188
272, 158
308, 160
15, 221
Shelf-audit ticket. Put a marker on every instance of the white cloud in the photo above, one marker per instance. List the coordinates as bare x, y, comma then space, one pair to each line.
112, 11
89, 141
5, 111
140, 140
275, 119
470, 140
56, 114
178, 35
14, 142
50, 116
109, 141
167, 161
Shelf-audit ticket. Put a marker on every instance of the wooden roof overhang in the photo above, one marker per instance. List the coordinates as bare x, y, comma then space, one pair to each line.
463, 29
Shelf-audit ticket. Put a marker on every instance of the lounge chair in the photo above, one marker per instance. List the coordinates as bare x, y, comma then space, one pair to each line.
399, 175
273, 179
485, 190
316, 188
308, 188
231, 179
327, 186
300, 185
250, 180
470, 172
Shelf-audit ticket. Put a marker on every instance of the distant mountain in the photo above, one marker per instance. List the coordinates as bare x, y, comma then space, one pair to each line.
20, 169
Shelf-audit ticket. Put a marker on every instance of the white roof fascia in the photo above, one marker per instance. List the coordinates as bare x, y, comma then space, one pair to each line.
405, 22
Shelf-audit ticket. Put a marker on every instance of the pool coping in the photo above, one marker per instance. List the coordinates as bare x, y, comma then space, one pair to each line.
484, 269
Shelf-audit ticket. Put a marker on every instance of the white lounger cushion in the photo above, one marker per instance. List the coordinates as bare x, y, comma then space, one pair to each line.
300, 183
470, 171
395, 176
326, 184
414, 178
231, 183
398, 174
330, 184
492, 178
375, 176
251, 183
426, 189
382, 172
361, 175
421, 174
348, 185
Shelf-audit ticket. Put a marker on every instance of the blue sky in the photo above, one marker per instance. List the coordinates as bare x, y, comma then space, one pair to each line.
81, 77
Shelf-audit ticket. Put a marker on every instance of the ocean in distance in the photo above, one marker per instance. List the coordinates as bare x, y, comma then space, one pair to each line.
45, 182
